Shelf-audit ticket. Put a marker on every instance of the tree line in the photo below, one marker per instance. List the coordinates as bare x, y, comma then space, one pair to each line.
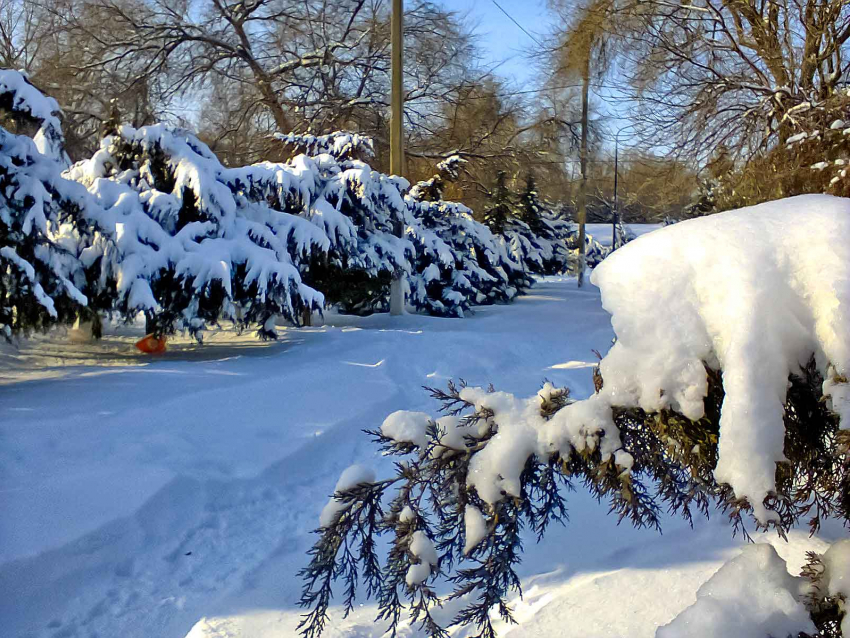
153, 222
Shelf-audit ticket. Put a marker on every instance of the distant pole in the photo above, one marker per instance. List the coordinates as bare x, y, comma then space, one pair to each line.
616, 216
616, 180
582, 190
396, 133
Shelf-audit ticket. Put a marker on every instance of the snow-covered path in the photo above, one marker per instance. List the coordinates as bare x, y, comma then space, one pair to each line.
143, 496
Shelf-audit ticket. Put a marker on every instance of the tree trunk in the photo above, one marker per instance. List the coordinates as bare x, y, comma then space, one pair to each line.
582, 188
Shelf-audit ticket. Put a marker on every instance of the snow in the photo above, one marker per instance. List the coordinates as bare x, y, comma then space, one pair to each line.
731, 290
24, 266
27, 99
229, 451
603, 233
836, 576
175, 496
799, 137
423, 549
407, 427
353, 476
751, 595
475, 528
837, 392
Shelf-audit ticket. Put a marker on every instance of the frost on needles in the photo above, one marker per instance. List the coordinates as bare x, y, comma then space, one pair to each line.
726, 387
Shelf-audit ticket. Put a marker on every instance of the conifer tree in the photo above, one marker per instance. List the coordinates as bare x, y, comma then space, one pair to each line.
194, 243
459, 262
530, 205
41, 216
496, 215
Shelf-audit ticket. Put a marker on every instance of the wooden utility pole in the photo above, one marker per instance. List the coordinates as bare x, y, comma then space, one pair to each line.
582, 188
615, 217
396, 133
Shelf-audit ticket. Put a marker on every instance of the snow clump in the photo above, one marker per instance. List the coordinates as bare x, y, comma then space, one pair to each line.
751, 595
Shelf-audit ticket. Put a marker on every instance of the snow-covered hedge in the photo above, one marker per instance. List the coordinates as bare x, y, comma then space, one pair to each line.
727, 385
155, 223
191, 242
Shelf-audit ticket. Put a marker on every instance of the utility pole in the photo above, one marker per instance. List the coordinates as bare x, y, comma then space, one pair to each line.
616, 210
396, 133
582, 190
616, 216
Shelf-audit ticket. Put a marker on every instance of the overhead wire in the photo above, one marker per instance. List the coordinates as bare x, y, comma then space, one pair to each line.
512, 19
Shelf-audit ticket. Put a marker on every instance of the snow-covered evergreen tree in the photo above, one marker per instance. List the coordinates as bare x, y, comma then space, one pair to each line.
530, 206
705, 202
194, 243
358, 207
29, 108
41, 216
446, 279
342, 145
499, 210
622, 235
459, 262
538, 237
736, 399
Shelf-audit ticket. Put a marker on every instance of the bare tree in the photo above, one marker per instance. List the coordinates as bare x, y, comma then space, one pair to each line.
282, 65
713, 73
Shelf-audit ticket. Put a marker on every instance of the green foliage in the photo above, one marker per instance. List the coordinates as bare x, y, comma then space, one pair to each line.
496, 215
356, 291
530, 207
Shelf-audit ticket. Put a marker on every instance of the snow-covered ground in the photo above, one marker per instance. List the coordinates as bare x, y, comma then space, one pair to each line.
174, 496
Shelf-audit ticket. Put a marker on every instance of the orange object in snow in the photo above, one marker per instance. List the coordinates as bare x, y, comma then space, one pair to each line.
151, 345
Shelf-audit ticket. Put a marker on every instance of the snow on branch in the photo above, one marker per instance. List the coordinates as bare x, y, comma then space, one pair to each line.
341, 144
44, 226
21, 99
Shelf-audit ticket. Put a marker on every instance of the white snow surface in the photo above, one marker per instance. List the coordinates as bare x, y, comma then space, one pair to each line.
29, 100
836, 576
423, 549
174, 496
407, 427
751, 595
604, 233
475, 528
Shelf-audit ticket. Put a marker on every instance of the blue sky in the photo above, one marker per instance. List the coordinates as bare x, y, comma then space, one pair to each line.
500, 39
504, 42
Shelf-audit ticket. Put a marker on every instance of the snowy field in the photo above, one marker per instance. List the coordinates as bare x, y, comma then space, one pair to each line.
174, 496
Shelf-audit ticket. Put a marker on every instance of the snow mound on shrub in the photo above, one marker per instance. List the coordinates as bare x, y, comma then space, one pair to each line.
753, 292
751, 595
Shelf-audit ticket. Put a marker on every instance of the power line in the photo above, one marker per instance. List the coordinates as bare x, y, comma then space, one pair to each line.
543, 89
522, 28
